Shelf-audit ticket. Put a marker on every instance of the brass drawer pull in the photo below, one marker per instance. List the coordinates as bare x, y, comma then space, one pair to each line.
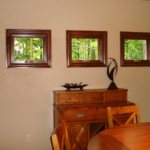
80, 115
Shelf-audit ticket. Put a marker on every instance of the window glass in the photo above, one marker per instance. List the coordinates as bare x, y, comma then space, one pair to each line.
84, 49
28, 49
135, 49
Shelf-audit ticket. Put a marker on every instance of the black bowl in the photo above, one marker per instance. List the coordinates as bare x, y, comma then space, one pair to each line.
74, 86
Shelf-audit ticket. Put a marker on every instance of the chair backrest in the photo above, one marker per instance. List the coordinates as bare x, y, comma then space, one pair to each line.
132, 111
60, 139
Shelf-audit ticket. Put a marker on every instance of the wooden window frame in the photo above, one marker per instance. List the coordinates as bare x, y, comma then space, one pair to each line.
102, 48
28, 33
136, 36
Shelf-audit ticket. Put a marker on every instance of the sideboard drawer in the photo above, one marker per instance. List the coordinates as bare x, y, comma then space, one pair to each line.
92, 97
81, 114
115, 96
69, 97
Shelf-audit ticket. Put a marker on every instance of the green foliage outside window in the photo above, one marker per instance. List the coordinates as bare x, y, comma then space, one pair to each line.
84, 49
135, 49
28, 49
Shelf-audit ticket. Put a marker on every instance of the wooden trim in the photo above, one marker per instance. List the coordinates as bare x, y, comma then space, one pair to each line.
136, 36
45, 34
102, 50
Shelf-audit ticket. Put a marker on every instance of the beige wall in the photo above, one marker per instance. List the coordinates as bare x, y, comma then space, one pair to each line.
26, 94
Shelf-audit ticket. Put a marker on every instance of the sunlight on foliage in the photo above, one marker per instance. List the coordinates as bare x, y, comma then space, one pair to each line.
135, 49
28, 49
84, 49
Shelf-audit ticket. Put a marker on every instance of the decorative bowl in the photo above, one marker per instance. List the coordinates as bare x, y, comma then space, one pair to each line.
68, 87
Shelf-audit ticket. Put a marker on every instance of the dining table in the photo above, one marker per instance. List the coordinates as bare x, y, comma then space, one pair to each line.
125, 137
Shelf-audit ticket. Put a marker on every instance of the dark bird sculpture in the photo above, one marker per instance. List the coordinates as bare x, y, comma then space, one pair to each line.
112, 70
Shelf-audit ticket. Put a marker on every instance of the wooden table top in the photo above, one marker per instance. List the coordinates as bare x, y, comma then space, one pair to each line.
129, 137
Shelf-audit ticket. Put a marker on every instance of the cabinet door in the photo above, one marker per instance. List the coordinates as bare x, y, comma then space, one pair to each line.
78, 134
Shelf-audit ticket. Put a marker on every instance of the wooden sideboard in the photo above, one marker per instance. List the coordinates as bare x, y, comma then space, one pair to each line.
85, 112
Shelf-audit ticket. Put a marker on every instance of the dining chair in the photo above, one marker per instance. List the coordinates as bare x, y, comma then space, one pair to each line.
132, 111
60, 138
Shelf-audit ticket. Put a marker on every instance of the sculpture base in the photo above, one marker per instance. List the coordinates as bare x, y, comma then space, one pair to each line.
112, 86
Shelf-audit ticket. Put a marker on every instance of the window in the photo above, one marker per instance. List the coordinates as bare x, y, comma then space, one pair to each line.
135, 48
86, 48
28, 48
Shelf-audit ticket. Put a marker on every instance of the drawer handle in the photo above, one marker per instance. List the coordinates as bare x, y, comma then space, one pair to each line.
69, 97
80, 115
115, 95
93, 96
85, 141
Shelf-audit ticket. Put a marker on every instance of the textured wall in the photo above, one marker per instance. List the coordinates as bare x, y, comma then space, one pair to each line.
26, 95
